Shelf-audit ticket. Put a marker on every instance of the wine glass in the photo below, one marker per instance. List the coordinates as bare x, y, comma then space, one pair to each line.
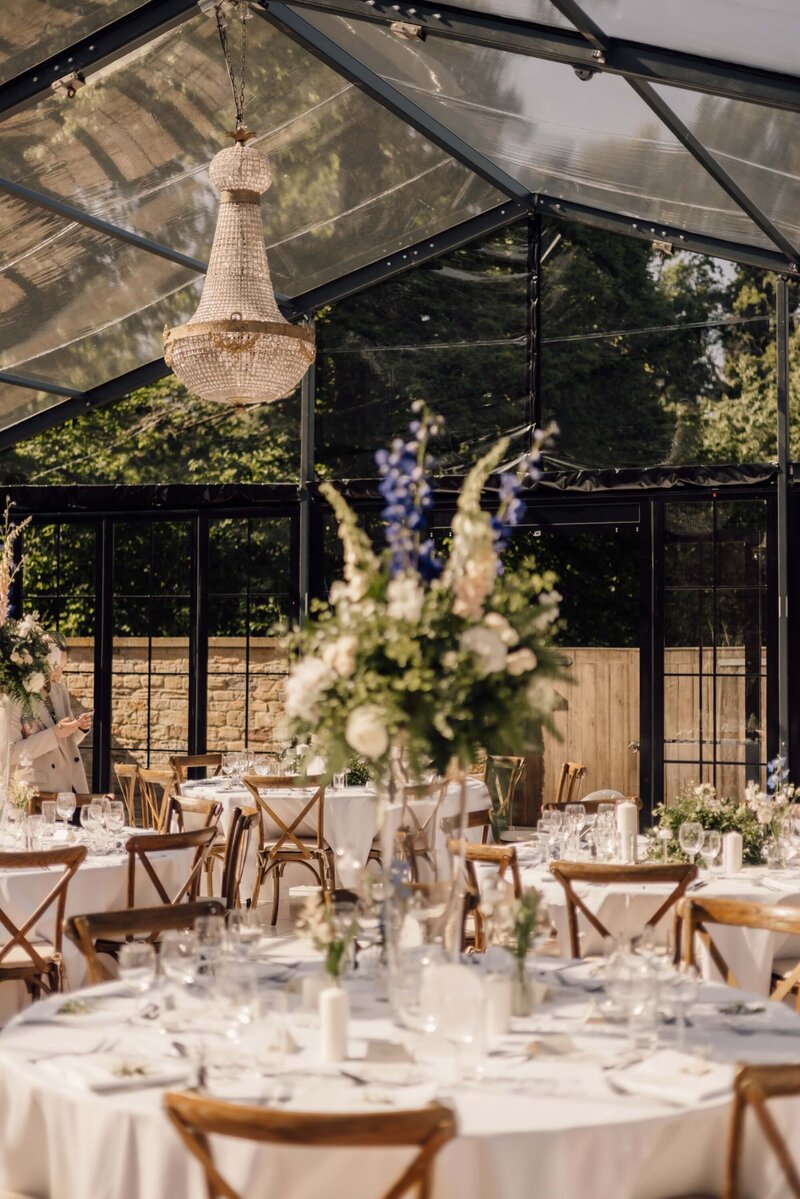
340, 781
115, 816
690, 838
88, 818
711, 848
228, 768
682, 986
137, 967
65, 805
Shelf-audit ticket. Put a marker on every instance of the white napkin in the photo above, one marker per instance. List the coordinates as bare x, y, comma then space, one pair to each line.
108, 1072
787, 886
676, 1078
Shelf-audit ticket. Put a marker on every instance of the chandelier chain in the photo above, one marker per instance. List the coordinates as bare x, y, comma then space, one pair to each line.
237, 87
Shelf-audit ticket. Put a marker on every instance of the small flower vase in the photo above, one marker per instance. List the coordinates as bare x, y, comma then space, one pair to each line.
522, 997
773, 852
311, 988
334, 1020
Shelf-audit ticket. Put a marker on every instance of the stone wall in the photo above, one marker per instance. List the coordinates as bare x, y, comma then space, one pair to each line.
151, 682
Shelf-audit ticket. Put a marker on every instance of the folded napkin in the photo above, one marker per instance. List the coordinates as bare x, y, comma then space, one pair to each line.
787, 886
105, 1073
676, 1078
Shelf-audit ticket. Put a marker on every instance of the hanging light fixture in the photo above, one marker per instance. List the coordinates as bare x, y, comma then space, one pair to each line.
238, 348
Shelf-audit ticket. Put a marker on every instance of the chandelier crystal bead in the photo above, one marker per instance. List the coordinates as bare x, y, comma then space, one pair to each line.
237, 347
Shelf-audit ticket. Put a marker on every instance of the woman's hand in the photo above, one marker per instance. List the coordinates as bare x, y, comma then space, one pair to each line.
67, 726
85, 721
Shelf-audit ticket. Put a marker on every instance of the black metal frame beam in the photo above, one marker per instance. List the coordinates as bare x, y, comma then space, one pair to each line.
104, 46
30, 384
626, 58
377, 88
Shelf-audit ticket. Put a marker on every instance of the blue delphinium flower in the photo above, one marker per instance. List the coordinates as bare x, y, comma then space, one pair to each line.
405, 488
512, 508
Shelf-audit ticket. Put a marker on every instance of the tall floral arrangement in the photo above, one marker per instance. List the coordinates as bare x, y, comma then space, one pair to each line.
421, 656
27, 656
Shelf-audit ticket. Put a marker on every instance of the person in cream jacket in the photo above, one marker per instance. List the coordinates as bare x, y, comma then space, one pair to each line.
44, 746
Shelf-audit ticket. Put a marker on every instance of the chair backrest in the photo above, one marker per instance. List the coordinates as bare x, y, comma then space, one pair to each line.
128, 778
695, 915
155, 786
188, 812
197, 1119
130, 923
209, 764
570, 782
753, 1088
245, 824
69, 859
503, 858
502, 776
652, 874
287, 820
39, 797
421, 806
142, 847
591, 806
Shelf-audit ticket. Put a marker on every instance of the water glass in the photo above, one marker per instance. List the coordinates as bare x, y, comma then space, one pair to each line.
711, 848
680, 993
65, 805
115, 816
87, 817
48, 819
137, 966
340, 781
33, 827
690, 838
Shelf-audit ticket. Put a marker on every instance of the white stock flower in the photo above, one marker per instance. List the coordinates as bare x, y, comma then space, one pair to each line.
405, 598
33, 682
27, 625
521, 661
308, 679
494, 620
340, 655
366, 732
487, 647
477, 581
16, 657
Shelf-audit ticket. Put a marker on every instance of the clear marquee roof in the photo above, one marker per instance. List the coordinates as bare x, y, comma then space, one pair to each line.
674, 121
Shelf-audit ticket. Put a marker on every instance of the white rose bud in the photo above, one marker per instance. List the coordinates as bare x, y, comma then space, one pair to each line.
521, 661
487, 647
366, 732
33, 682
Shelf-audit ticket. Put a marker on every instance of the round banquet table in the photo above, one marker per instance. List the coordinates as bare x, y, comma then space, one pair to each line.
626, 908
538, 1125
99, 885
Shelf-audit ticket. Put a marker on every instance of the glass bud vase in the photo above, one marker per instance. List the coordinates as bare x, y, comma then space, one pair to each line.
522, 997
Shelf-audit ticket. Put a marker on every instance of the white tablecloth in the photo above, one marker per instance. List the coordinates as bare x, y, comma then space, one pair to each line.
536, 1128
627, 908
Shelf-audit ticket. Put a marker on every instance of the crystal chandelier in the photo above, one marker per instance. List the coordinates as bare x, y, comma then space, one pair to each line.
237, 347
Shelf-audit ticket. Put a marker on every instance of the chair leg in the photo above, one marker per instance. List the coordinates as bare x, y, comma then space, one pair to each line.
276, 892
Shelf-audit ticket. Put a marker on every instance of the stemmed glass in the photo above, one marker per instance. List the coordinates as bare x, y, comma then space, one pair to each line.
65, 805
690, 838
115, 818
682, 987
711, 848
604, 834
229, 766
137, 967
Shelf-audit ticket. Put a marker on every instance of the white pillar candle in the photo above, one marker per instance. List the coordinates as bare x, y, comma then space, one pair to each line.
732, 853
627, 830
497, 988
334, 1017
311, 988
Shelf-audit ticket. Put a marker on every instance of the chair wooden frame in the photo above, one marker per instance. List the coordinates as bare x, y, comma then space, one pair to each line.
290, 846
694, 915
427, 1128
127, 774
419, 837
155, 806
183, 763
245, 823
113, 928
141, 847
44, 971
502, 776
504, 857
753, 1088
179, 805
572, 773
450, 825
591, 805
567, 873
36, 800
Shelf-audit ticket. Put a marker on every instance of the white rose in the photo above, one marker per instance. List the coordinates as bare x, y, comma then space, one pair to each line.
521, 661
487, 647
33, 682
340, 655
366, 733
308, 679
405, 598
16, 657
493, 620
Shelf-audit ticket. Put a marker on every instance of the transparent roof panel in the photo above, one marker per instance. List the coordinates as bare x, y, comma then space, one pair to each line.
538, 12
759, 147
759, 33
18, 403
592, 142
22, 228
351, 181
34, 30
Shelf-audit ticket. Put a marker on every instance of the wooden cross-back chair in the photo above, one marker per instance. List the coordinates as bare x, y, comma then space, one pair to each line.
451, 825
188, 812
419, 830
24, 956
502, 776
570, 782
694, 916
504, 858
297, 838
142, 847
197, 1119
591, 806
100, 934
245, 825
81, 799
155, 787
128, 778
209, 764
567, 873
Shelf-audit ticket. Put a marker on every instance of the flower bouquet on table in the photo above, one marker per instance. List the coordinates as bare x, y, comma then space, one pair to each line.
27, 655
773, 809
419, 660
330, 931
